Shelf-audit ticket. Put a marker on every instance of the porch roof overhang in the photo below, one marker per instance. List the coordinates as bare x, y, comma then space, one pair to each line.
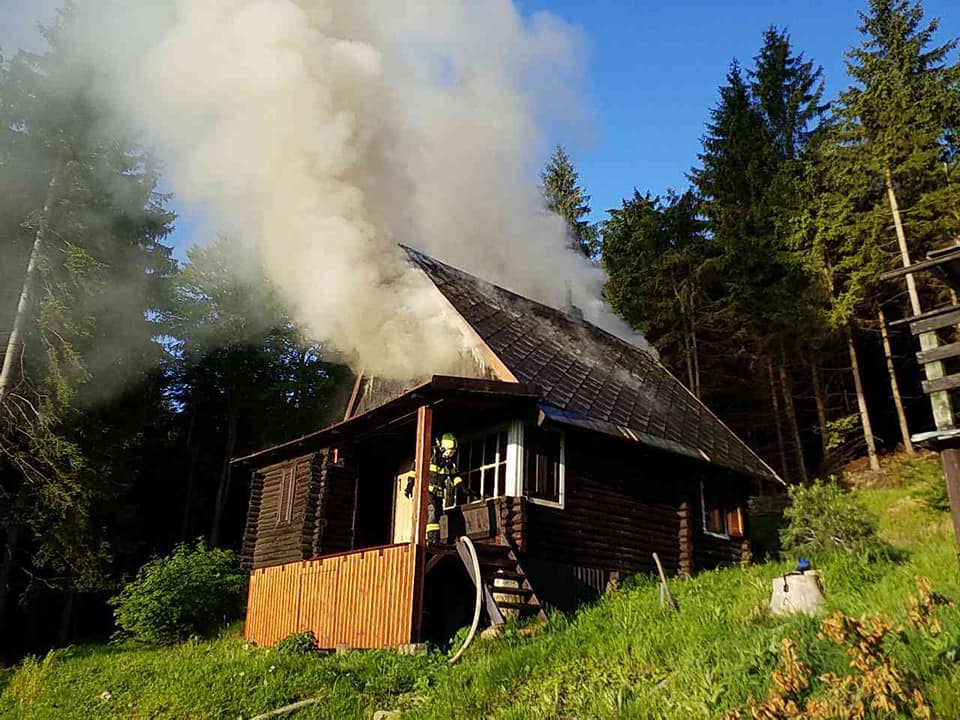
438, 388
552, 414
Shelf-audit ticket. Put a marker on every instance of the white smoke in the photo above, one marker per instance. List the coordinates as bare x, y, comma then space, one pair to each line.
327, 131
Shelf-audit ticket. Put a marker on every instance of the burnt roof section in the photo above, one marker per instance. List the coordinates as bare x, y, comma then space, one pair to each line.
589, 373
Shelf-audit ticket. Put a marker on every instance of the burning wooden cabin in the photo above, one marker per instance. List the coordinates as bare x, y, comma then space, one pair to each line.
582, 456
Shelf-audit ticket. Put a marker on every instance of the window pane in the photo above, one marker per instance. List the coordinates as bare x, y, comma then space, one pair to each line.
473, 482
715, 520
501, 479
502, 445
734, 523
490, 450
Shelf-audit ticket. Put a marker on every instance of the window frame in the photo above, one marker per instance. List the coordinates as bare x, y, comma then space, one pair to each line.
724, 513
560, 502
487, 432
288, 491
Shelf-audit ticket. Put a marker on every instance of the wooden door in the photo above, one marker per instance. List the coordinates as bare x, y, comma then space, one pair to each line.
402, 510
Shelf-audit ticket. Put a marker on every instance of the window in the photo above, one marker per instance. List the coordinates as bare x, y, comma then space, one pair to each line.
288, 489
543, 478
721, 518
482, 463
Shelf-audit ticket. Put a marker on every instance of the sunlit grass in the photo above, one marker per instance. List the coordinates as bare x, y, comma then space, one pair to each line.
625, 657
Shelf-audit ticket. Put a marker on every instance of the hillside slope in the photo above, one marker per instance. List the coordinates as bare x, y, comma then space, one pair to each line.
624, 657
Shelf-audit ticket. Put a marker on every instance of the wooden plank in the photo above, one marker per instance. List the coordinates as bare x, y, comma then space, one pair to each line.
947, 382
935, 259
944, 317
939, 353
361, 599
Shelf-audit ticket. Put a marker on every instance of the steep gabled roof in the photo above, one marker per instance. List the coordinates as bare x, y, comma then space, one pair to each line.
588, 376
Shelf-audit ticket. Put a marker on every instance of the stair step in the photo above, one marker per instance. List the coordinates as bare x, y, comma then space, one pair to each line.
510, 591
501, 574
500, 562
517, 606
488, 550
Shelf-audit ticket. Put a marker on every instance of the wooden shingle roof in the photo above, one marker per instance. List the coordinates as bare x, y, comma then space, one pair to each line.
588, 376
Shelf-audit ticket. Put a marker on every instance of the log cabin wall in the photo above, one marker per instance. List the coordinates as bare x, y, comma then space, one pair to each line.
336, 508
623, 503
619, 508
278, 512
299, 509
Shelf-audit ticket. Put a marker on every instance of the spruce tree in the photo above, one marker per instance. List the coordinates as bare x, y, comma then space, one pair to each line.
564, 196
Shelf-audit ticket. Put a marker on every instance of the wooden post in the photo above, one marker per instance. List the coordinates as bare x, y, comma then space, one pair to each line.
940, 402
685, 517
421, 466
894, 385
421, 490
950, 460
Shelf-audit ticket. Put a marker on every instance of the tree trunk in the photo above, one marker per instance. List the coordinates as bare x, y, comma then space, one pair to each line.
8, 370
821, 406
894, 385
192, 451
940, 402
66, 620
862, 402
223, 488
792, 416
688, 355
776, 421
7, 566
696, 356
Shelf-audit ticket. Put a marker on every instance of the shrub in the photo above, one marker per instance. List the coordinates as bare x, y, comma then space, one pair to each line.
195, 590
824, 519
304, 643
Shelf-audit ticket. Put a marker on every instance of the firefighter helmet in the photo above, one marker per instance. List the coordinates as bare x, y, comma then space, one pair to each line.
448, 442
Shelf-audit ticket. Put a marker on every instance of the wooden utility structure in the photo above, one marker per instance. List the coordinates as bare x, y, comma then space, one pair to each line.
581, 455
939, 355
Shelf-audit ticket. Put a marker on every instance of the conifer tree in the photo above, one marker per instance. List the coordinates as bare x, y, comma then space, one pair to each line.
894, 125
564, 196
83, 233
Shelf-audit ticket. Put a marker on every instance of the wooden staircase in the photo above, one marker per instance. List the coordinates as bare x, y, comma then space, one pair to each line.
504, 584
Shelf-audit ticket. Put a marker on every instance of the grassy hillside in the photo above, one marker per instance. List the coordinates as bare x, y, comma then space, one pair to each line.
625, 657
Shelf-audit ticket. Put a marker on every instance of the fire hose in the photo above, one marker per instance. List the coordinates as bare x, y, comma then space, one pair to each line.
468, 543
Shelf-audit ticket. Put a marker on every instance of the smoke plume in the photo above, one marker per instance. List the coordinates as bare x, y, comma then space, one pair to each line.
324, 132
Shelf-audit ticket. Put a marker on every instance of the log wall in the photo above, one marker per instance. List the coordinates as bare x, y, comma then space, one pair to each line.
619, 508
272, 539
322, 517
361, 599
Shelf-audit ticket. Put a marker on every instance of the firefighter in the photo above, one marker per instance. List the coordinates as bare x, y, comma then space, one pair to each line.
445, 484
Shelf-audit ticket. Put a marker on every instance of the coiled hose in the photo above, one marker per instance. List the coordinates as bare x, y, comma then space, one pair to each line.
468, 543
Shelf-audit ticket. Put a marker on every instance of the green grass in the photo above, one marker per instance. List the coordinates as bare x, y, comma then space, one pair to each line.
624, 657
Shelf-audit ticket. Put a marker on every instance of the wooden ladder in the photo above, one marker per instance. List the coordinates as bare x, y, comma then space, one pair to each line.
500, 562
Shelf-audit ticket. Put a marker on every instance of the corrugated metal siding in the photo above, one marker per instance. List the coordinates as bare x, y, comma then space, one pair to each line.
362, 599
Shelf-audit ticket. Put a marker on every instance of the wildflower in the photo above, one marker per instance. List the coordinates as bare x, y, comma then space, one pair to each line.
272, 668
106, 695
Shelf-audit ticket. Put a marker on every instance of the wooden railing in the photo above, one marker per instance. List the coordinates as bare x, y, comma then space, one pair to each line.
361, 599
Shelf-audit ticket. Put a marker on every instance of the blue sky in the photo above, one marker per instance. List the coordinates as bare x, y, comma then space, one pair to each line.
653, 69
